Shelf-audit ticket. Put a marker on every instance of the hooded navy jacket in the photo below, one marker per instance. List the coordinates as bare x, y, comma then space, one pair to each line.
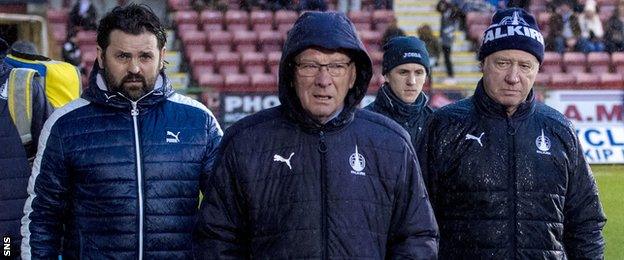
511, 187
287, 187
117, 179
412, 117
14, 156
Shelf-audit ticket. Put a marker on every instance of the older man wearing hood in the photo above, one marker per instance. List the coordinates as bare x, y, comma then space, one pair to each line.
316, 177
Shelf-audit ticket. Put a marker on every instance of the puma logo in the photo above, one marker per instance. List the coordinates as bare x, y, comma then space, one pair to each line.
173, 138
469, 137
279, 158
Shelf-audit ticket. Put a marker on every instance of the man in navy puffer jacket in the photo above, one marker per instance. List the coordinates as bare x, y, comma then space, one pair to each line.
119, 171
507, 176
316, 177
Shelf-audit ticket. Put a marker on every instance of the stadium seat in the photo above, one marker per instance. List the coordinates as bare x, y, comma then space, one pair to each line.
211, 80
574, 62
617, 59
273, 59
371, 39
587, 80
551, 63
193, 37
177, 5
361, 20
190, 49
219, 41
254, 62
261, 20
542, 79
211, 20
375, 83
59, 32
57, 16
612, 80
563, 80
237, 82
598, 62
186, 27
236, 20
186, 17
284, 20
202, 58
381, 19
245, 41
228, 62
264, 82
270, 41
198, 71
86, 37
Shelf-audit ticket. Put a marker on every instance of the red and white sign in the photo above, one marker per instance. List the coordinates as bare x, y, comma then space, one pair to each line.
598, 116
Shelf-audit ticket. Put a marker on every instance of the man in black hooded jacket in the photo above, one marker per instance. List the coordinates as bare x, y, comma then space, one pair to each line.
507, 175
316, 177
405, 68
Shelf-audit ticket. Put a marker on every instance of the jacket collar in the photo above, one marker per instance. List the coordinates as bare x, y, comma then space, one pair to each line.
98, 92
400, 111
487, 106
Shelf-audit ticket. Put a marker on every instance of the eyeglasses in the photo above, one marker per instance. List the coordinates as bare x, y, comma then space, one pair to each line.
311, 69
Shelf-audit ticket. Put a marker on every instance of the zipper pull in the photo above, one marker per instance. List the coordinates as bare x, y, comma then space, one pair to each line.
135, 110
322, 146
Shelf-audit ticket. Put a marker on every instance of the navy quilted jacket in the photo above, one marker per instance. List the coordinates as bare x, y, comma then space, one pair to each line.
511, 187
116, 179
412, 117
286, 187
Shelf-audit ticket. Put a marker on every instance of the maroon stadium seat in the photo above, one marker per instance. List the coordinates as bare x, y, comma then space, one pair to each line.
228, 62
264, 82
186, 17
202, 58
190, 49
86, 37
574, 62
375, 83
211, 20
59, 32
361, 20
542, 79
587, 80
186, 27
376, 57
563, 80
371, 39
177, 5
552, 62
284, 20
245, 41
261, 20
57, 15
617, 59
211, 80
219, 41
200, 70
381, 19
612, 80
237, 82
193, 37
236, 20
273, 59
254, 63
270, 41
598, 62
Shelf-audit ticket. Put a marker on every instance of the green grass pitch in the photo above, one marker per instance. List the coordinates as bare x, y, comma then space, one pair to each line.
610, 179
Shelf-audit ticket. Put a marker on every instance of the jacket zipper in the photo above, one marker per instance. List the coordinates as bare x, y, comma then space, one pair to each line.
323, 151
511, 132
135, 113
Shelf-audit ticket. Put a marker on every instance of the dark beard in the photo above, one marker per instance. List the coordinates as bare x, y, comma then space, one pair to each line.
133, 93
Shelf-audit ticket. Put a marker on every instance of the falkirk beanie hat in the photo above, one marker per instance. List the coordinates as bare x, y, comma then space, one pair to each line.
404, 49
513, 28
